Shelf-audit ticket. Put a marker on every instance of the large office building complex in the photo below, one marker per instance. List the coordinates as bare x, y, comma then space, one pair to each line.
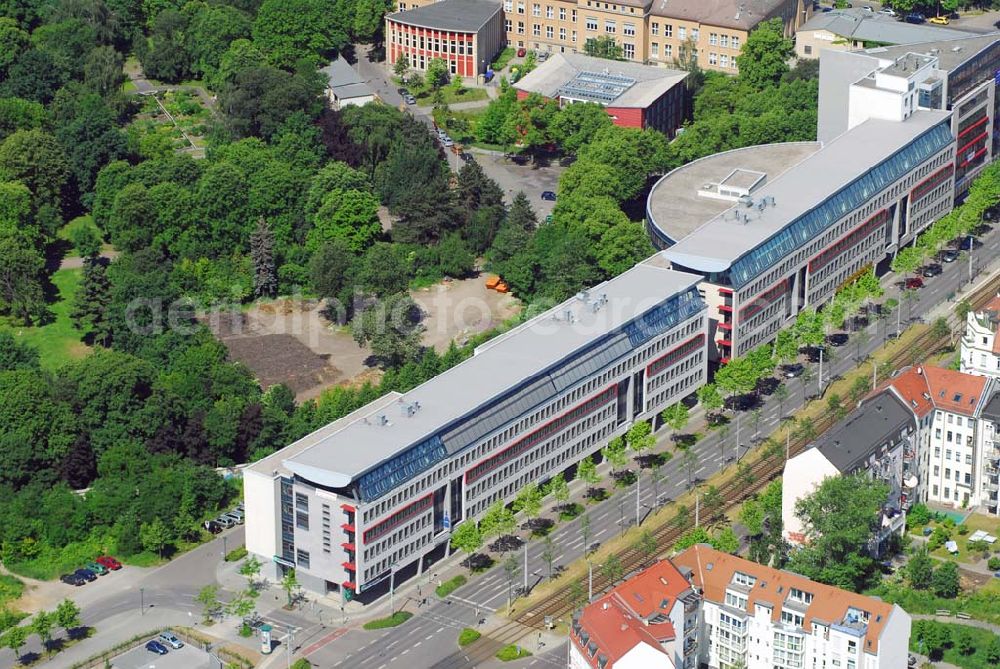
705, 608
776, 228
379, 490
657, 32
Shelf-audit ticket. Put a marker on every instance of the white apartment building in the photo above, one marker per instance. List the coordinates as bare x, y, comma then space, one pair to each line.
878, 438
757, 617
951, 445
980, 345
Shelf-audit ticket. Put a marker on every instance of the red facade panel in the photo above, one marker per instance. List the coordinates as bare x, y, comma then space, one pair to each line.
626, 117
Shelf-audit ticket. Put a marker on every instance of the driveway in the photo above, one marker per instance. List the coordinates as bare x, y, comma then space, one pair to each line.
532, 179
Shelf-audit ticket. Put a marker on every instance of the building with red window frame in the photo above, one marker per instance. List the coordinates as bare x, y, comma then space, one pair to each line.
369, 499
775, 229
634, 95
466, 34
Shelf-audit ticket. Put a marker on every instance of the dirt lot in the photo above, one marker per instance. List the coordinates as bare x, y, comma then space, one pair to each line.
288, 341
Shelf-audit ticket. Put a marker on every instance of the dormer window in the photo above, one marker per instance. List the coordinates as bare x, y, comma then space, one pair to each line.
744, 579
800, 596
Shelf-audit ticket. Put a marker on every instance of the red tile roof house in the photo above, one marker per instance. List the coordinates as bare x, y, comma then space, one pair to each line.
708, 608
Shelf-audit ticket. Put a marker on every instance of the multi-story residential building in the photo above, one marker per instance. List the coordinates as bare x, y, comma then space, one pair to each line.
379, 491
467, 34
756, 617
777, 228
634, 95
980, 345
854, 29
989, 441
648, 31
649, 621
892, 82
878, 438
953, 452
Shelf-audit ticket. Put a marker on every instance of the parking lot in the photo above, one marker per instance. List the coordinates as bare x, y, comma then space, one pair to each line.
187, 657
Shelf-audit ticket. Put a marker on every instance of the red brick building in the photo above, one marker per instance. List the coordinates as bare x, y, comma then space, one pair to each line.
635, 96
467, 34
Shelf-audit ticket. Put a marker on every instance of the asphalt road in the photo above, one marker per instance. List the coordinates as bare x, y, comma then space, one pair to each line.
431, 635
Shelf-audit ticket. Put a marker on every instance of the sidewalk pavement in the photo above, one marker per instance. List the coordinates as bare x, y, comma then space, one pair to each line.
958, 621
122, 627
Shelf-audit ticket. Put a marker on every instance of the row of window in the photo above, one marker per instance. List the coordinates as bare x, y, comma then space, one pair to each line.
763, 300
541, 434
685, 349
930, 183
425, 520
437, 46
390, 561
723, 60
398, 518
680, 369
512, 472
850, 240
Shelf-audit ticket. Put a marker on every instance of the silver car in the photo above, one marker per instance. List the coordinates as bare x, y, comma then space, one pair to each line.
225, 521
235, 516
171, 640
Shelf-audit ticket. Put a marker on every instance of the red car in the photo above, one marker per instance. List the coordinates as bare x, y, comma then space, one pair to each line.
914, 282
521, 52
109, 562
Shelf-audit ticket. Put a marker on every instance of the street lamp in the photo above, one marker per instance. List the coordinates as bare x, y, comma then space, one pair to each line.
142, 607
392, 587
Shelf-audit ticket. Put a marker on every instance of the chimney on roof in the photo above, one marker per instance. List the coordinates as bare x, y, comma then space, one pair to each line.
604, 606
663, 580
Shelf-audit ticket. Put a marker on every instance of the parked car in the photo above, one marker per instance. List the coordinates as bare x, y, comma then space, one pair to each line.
792, 371
837, 339
887, 11
939, 20
913, 283
911, 661
240, 507
86, 574
226, 523
521, 52
156, 647
466, 156
97, 568
968, 243
235, 516
447, 142
543, 56
212, 526
409, 99
72, 579
868, 9
915, 17
109, 562
170, 639
548, 195
892, 335
931, 270
948, 255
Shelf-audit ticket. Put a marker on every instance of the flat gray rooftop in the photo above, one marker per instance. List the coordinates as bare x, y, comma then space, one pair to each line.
459, 15
608, 82
860, 25
722, 239
851, 441
950, 52
674, 205
336, 454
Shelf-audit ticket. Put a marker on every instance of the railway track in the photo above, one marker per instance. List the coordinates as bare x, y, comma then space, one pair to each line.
734, 490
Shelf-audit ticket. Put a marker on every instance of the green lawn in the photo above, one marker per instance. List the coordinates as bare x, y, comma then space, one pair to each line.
974, 659
982, 604
57, 342
67, 231
397, 618
10, 589
451, 96
503, 58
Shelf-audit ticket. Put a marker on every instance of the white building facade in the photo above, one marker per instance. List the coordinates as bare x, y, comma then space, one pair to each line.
756, 617
980, 346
